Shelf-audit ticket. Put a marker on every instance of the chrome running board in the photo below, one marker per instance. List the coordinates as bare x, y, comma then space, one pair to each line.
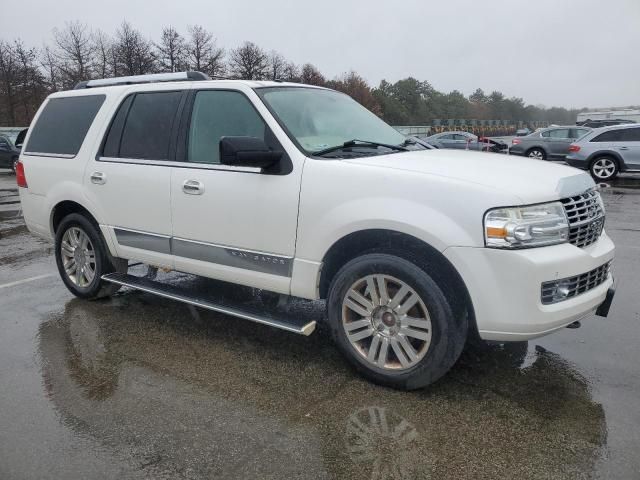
281, 320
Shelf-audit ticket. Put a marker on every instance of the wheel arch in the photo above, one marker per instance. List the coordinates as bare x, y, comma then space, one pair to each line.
66, 207
405, 246
607, 153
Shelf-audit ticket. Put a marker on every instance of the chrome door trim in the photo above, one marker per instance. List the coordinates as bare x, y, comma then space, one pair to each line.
194, 165
55, 155
232, 257
256, 261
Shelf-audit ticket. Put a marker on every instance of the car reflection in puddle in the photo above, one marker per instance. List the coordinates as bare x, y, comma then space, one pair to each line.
180, 391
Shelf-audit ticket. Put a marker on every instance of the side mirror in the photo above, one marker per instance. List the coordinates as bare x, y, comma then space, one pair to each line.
247, 152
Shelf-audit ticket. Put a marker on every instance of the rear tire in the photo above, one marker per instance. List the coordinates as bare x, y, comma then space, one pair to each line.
405, 343
604, 168
82, 258
537, 154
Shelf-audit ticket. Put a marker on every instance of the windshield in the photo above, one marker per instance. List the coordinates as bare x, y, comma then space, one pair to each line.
321, 119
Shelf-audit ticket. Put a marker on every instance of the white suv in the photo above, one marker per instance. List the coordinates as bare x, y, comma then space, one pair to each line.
301, 191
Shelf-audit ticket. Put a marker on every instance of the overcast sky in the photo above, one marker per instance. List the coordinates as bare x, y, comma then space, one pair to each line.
569, 53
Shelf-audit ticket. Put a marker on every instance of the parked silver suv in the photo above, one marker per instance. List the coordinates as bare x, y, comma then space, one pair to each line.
548, 143
607, 151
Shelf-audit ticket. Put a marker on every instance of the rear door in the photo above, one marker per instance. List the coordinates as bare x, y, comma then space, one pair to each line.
130, 177
558, 142
629, 147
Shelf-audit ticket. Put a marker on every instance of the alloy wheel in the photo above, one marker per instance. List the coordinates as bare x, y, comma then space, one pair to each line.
386, 322
78, 257
537, 154
604, 168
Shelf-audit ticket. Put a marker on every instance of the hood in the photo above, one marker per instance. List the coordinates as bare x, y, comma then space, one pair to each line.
530, 180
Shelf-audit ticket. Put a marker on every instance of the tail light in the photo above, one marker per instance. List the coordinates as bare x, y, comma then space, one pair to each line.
21, 178
574, 148
516, 141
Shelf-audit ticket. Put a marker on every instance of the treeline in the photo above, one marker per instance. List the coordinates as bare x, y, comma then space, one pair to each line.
75, 53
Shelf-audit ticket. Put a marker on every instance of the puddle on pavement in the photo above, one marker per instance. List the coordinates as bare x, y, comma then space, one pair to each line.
186, 391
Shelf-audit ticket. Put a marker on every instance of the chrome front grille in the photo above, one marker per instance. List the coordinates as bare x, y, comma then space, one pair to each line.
586, 218
559, 290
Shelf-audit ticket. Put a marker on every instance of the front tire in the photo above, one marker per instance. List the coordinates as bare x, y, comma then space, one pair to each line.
392, 322
604, 168
82, 258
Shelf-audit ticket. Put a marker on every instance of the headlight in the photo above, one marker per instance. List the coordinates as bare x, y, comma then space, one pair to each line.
522, 227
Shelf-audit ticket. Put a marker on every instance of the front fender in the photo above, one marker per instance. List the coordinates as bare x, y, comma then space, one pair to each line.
398, 215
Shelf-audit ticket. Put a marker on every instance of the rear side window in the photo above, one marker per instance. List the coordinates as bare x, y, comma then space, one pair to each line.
62, 125
630, 135
610, 136
143, 126
560, 133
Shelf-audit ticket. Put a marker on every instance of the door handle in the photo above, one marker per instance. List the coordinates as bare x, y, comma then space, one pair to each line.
624, 148
98, 178
193, 187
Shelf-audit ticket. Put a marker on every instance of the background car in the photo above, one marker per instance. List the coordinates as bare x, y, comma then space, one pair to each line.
607, 151
522, 132
603, 123
464, 141
9, 153
548, 143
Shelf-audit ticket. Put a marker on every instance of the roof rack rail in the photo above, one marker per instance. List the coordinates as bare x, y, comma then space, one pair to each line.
151, 78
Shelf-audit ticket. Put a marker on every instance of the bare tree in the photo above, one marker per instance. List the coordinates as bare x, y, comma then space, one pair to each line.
311, 75
8, 80
203, 54
50, 66
249, 62
291, 73
277, 66
171, 51
103, 53
31, 89
74, 52
133, 53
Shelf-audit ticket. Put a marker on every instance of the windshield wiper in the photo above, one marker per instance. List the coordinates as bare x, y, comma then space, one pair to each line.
360, 143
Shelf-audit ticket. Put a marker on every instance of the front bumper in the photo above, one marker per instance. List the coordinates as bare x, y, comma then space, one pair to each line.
504, 286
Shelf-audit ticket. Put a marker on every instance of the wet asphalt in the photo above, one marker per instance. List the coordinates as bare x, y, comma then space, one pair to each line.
140, 387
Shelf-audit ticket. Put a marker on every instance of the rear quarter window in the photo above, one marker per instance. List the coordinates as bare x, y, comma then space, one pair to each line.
63, 125
609, 136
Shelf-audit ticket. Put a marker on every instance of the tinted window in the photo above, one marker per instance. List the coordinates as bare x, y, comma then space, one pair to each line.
217, 114
148, 126
112, 143
610, 136
560, 133
630, 134
4, 143
459, 137
447, 137
63, 124
546, 134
